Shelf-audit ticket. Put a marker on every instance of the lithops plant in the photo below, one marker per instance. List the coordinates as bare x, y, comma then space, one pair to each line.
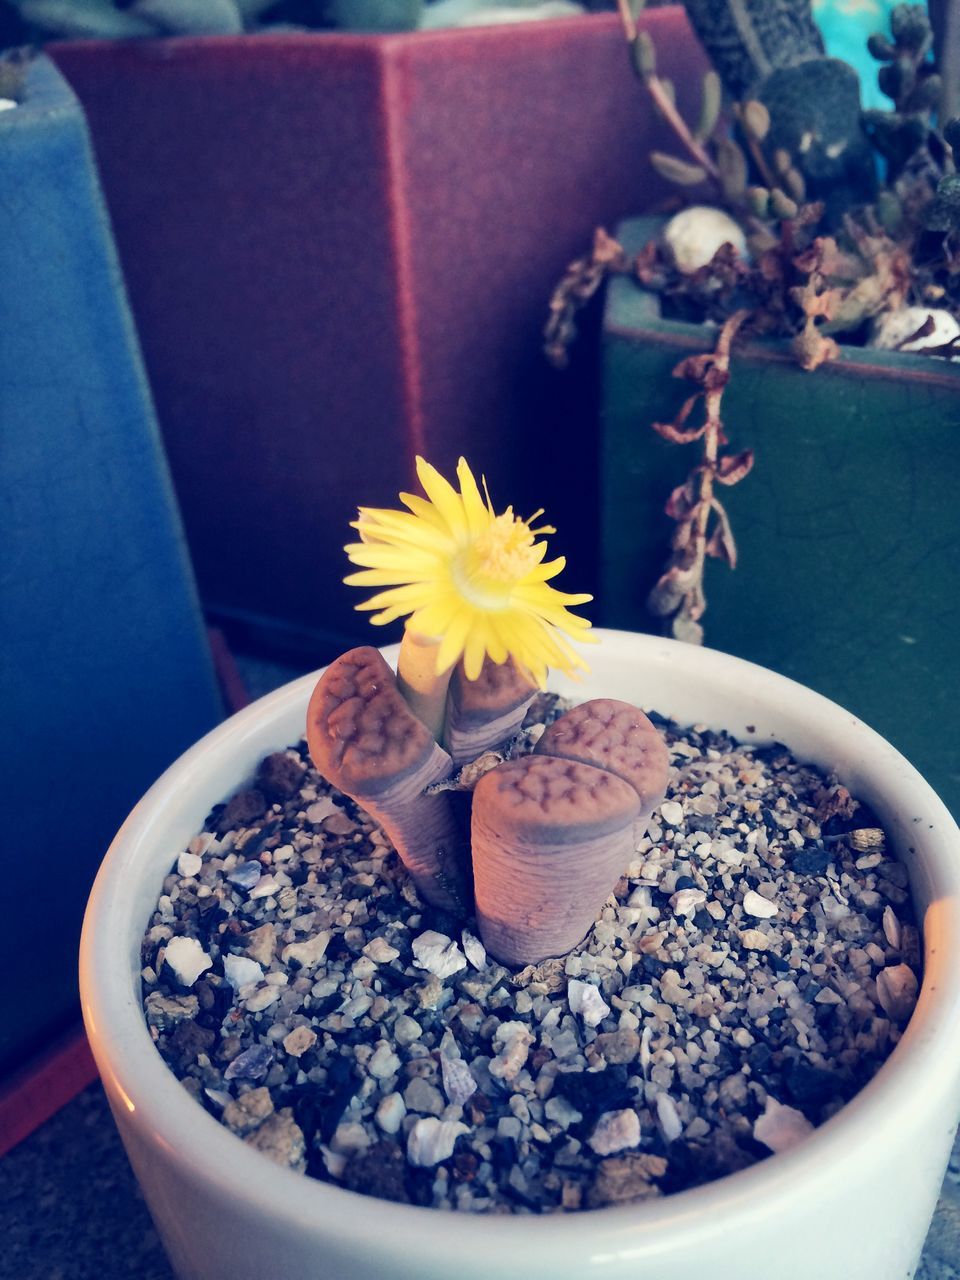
550, 839
552, 833
615, 736
486, 712
365, 740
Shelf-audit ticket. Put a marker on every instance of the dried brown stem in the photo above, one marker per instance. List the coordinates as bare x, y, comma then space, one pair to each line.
679, 593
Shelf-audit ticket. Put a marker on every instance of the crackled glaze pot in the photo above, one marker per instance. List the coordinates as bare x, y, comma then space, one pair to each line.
865, 1183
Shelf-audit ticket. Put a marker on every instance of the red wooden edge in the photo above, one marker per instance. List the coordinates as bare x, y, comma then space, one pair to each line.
44, 1086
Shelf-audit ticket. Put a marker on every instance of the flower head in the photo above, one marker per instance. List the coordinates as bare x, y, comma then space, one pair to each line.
475, 580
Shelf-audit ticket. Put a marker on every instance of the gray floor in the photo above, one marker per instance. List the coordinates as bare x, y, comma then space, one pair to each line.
70, 1208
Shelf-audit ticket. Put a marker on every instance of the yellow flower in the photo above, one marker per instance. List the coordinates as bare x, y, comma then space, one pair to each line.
475, 580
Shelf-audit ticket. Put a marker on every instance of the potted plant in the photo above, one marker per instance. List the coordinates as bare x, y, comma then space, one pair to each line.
481, 579
818, 554
346, 308
103, 641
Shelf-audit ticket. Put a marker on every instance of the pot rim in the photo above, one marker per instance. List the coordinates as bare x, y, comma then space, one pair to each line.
133, 1068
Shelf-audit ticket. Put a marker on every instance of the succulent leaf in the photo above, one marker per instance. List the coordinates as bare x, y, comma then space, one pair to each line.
678, 171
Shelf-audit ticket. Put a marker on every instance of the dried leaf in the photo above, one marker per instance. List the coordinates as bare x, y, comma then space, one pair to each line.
687, 629
722, 543
812, 349
682, 500
694, 368
670, 590
678, 435
732, 469
681, 172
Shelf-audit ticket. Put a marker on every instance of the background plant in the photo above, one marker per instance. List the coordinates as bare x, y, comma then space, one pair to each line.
847, 216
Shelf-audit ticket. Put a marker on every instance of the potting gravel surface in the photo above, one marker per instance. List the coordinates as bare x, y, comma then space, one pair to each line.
751, 972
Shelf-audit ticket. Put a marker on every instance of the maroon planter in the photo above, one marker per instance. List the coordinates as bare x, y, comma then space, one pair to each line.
339, 251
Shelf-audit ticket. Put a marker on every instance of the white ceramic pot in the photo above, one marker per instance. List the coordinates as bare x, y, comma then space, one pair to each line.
853, 1202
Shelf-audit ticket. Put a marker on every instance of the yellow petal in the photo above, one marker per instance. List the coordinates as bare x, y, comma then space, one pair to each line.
454, 638
475, 509
444, 497
473, 655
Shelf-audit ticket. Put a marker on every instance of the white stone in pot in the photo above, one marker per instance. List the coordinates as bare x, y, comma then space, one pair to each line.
892, 329
694, 235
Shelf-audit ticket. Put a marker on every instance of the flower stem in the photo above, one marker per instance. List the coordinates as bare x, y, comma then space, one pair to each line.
423, 689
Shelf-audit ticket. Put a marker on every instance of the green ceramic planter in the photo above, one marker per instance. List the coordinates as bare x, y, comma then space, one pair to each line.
848, 527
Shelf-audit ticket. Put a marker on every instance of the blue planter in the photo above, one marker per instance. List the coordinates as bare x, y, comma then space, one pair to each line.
105, 674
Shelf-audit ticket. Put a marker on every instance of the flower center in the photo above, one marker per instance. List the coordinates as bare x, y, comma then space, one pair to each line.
495, 561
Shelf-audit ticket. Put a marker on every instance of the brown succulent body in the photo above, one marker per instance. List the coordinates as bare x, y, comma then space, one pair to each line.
615, 736
483, 713
550, 838
365, 740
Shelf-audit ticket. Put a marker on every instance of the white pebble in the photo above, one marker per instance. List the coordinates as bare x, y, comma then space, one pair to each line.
7, 104
672, 812
458, 1083
188, 864
264, 888
187, 959
780, 1127
407, 1029
380, 951
754, 940
585, 999
755, 904
891, 927
384, 1062
390, 1113
474, 950
307, 955
512, 1040
320, 809
670, 1123
261, 999
438, 954
432, 1140
897, 991
349, 1137
892, 329
695, 234
686, 901
240, 971
616, 1131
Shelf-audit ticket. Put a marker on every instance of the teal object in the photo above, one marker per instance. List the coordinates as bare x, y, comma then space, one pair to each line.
848, 527
846, 26
105, 674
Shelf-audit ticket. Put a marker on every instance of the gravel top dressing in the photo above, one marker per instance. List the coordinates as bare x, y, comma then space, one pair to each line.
751, 973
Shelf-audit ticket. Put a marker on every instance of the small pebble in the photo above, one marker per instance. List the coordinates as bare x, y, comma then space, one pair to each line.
390, 1113
186, 959
754, 904
781, 1127
438, 954
897, 989
188, 864
299, 1040
241, 971
585, 999
615, 1131
430, 1141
